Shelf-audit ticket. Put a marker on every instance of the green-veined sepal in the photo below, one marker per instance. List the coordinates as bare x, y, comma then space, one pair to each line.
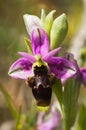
58, 31
28, 45
47, 21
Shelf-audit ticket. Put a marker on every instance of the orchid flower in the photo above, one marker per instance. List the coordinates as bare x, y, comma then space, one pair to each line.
59, 66
81, 72
43, 67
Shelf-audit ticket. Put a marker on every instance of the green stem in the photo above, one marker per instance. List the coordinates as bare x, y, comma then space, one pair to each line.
70, 96
57, 89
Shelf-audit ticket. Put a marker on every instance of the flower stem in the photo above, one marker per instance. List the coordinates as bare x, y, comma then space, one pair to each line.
70, 96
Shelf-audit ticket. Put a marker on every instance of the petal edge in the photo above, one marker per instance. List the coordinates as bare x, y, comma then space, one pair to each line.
21, 69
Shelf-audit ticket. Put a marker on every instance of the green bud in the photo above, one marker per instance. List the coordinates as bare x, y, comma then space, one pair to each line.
28, 45
43, 15
58, 31
47, 21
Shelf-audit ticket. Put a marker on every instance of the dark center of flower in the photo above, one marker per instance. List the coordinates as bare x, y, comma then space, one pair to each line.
42, 95
40, 70
41, 84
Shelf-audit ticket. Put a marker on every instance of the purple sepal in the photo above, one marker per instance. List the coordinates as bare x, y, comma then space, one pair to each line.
21, 69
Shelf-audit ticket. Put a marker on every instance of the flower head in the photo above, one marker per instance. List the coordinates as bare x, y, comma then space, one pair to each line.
42, 67
59, 66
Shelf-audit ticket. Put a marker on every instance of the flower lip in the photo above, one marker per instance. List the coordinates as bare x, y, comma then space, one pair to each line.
41, 85
42, 95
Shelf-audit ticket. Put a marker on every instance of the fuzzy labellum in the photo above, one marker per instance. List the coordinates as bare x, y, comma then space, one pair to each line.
41, 84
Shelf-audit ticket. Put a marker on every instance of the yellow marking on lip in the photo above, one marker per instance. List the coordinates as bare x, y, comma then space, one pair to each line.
39, 62
43, 108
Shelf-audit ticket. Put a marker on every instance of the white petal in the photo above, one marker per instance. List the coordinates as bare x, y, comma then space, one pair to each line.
31, 22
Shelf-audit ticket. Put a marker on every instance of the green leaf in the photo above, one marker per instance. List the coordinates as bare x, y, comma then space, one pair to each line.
58, 31
28, 45
81, 122
70, 96
57, 89
9, 102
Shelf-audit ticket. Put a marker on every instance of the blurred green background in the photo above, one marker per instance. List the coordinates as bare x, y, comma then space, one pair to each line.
13, 31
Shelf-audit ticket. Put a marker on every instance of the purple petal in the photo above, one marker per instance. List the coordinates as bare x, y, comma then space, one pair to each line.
83, 72
52, 120
22, 69
70, 57
51, 53
28, 56
40, 42
51, 123
62, 68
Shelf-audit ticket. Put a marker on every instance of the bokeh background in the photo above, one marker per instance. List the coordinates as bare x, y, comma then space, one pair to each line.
12, 33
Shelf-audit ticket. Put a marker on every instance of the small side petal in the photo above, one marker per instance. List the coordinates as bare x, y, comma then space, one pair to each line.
28, 56
83, 71
40, 42
51, 53
21, 69
62, 68
31, 22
